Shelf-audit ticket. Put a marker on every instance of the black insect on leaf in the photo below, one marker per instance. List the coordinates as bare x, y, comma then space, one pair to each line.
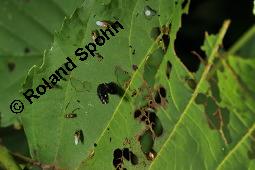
108, 88
71, 115
112, 88
104, 24
78, 137
102, 92
94, 35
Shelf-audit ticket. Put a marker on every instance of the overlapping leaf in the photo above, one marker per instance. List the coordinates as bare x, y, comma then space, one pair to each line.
26, 30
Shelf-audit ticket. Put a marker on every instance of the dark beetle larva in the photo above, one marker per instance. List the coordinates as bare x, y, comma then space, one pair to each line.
102, 92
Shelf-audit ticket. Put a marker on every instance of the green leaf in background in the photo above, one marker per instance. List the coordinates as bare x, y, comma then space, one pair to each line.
26, 30
237, 94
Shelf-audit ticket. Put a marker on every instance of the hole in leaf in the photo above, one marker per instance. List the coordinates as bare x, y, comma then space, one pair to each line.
157, 98
168, 69
146, 141
11, 66
147, 122
165, 37
184, 3
157, 127
166, 41
117, 162
26, 50
155, 32
201, 98
117, 153
191, 83
162, 92
135, 67
134, 158
143, 118
217, 117
126, 154
137, 113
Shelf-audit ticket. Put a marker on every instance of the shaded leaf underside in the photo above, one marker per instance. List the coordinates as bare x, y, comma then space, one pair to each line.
26, 30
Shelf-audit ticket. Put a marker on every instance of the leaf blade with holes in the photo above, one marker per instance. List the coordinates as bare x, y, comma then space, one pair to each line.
111, 127
71, 37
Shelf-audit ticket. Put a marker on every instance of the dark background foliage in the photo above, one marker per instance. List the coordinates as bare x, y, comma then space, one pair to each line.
208, 15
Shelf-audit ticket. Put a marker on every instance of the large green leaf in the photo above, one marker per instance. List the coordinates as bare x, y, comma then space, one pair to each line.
192, 126
44, 125
236, 89
26, 30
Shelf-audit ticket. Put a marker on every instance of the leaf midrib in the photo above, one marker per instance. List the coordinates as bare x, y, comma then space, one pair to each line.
236, 146
203, 77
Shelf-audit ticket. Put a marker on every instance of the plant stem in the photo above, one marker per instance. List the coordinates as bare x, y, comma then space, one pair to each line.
34, 162
247, 36
6, 160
